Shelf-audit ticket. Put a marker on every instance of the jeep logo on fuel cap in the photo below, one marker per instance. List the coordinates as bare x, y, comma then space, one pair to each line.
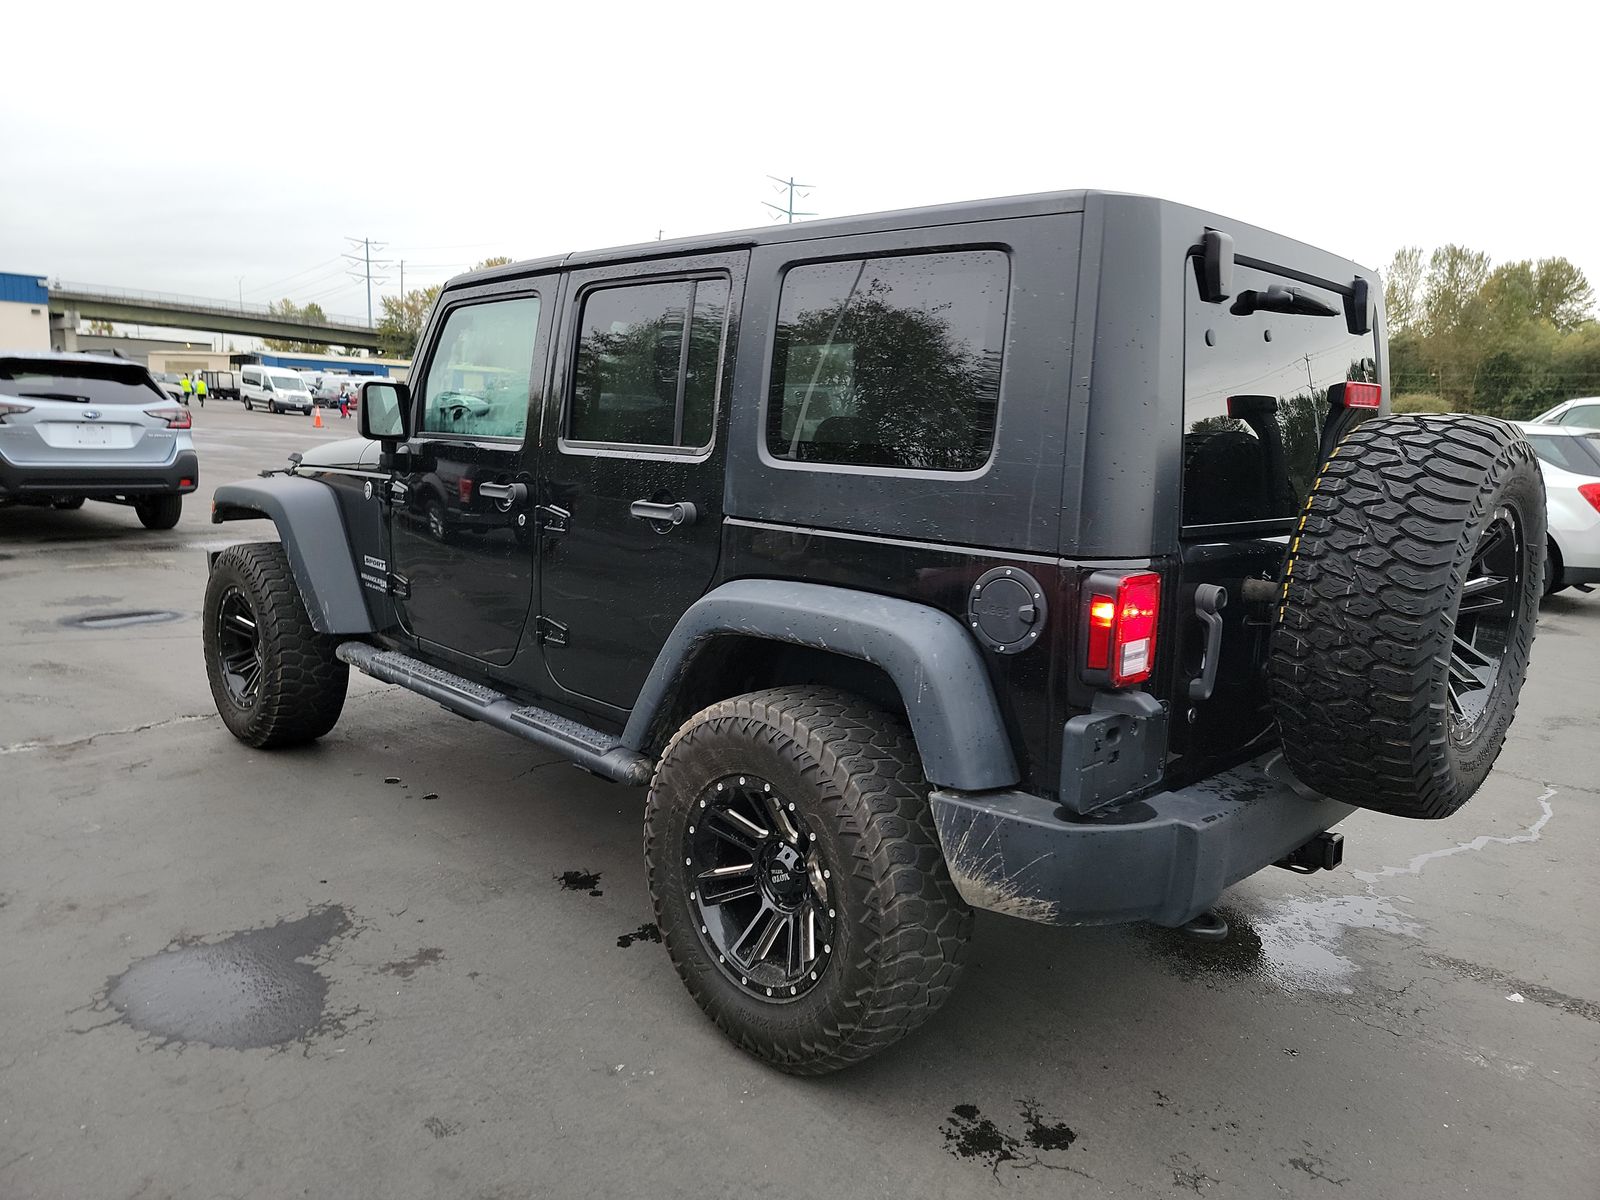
1006, 609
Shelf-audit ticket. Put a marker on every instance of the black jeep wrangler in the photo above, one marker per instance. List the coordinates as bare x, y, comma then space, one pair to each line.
1052, 555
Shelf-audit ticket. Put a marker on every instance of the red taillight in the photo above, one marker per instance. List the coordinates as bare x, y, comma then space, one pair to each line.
1122, 613
464, 490
1591, 493
1362, 395
176, 418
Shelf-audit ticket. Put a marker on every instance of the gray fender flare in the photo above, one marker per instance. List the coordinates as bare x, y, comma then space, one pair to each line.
306, 513
927, 653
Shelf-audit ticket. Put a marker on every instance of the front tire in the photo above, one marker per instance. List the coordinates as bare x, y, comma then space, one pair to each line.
275, 680
159, 512
845, 933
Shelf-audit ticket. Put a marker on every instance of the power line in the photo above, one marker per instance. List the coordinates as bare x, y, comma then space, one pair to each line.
365, 259
788, 210
295, 275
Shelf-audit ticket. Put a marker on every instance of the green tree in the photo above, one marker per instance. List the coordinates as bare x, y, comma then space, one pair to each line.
1562, 295
1402, 289
1456, 275
499, 260
309, 313
403, 318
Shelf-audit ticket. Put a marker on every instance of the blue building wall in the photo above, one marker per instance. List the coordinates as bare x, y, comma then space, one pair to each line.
322, 362
23, 289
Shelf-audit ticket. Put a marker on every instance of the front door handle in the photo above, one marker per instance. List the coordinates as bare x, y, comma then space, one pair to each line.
505, 495
678, 513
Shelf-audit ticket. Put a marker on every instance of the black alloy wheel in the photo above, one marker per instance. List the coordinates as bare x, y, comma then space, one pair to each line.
1489, 612
239, 641
758, 881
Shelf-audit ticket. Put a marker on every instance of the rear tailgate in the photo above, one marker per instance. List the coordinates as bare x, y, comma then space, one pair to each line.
1258, 369
83, 412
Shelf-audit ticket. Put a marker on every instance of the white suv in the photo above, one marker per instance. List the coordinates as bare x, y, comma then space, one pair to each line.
1583, 412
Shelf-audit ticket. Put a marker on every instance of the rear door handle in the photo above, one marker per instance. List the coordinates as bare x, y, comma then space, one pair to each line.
678, 513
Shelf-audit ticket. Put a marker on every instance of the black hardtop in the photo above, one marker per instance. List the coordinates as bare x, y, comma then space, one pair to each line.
960, 213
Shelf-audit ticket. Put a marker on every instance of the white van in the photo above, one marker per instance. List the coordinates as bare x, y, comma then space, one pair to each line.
277, 389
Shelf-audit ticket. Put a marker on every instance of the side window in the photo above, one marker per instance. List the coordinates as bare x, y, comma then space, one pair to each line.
1584, 415
648, 362
480, 375
889, 362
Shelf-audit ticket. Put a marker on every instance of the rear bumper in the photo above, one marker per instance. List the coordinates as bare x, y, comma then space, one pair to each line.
113, 479
1163, 859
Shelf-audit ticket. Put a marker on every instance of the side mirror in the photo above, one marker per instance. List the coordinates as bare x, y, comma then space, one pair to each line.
383, 410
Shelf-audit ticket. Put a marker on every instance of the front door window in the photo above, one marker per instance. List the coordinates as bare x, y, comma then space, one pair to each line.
477, 383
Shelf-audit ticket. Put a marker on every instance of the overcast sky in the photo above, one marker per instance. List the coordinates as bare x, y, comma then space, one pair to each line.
179, 148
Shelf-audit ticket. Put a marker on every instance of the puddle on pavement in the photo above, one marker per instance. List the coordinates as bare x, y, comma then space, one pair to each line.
1295, 943
580, 881
647, 932
970, 1135
121, 620
249, 990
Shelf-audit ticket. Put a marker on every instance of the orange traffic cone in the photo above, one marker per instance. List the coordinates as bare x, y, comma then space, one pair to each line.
316, 417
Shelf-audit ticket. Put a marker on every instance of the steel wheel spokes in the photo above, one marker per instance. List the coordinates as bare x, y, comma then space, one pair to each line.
1490, 599
759, 888
239, 648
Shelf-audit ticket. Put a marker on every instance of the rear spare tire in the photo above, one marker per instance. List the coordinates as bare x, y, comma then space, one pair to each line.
1410, 594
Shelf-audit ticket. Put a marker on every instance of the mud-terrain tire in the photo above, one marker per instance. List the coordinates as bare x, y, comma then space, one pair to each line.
159, 512
278, 684
1410, 595
848, 786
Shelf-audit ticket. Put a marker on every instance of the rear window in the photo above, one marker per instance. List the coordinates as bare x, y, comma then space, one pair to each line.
1580, 455
87, 382
1271, 371
889, 362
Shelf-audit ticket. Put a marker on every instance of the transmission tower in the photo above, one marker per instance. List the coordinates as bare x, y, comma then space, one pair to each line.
362, 265
788, 211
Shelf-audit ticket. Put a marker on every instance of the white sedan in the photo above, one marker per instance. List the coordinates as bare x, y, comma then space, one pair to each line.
1570, 458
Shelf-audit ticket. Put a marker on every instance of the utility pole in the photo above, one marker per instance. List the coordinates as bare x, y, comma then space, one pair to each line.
364, 260
402, 280
240, 279
788, 211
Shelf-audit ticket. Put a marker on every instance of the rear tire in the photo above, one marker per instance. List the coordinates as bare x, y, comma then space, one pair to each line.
159, 512
837, 826
1409, 602
275, 680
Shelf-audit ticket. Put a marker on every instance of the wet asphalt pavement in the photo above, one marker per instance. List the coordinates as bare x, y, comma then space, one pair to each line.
416, 960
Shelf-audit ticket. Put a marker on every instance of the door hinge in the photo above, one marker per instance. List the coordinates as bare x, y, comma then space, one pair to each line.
552, 518
399, 586
550, 631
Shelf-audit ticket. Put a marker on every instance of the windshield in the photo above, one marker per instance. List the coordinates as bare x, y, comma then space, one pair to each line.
1580, 455
88, 382
288, 383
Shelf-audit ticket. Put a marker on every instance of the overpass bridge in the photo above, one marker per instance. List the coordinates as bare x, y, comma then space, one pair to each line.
71, 302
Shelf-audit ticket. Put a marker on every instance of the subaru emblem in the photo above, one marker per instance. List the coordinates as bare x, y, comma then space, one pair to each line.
91, 414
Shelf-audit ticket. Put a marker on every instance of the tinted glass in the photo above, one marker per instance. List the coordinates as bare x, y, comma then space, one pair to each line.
90, 382
1275, 368
889, 362
1580, 455
639, 381
1583, 414
479, 379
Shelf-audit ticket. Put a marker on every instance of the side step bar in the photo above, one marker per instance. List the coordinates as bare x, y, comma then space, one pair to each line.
594, 751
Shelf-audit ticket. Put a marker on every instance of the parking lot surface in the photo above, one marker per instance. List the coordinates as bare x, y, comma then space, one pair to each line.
428, 966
